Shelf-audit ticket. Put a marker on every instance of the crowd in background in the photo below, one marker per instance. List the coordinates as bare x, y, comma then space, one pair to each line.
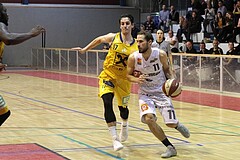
215, 18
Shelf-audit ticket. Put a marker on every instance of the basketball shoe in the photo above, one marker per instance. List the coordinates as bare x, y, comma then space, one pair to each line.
123, 136
117, 145
183, 130
170, 152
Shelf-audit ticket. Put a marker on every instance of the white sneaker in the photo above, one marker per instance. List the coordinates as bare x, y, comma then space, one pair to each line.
183, 130
123, 136
117, 145
170, 152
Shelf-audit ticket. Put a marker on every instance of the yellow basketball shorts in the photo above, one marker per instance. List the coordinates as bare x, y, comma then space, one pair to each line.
121, 89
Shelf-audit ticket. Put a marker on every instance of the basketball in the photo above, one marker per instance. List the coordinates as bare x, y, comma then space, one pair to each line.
136, 73
172, 88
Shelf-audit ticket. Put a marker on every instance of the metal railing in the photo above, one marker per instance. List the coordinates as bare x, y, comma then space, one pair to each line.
200, 71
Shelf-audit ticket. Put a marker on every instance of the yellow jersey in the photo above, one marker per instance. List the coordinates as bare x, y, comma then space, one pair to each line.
115, 64
1, 49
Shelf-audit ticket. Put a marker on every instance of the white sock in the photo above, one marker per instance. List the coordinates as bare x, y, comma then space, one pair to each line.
124, 123
113, 132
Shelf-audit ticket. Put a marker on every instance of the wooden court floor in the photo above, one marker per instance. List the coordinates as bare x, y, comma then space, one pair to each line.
66, 116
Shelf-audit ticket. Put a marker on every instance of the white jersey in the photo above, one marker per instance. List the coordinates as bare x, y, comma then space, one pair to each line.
152, 68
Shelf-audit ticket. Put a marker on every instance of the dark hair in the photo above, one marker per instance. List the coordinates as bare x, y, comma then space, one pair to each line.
3, 18
147, 35
128, 16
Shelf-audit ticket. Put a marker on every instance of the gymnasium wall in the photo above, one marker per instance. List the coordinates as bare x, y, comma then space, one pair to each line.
67, 26
103, 2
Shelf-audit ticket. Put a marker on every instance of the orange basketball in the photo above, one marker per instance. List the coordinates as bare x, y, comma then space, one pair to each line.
172, 88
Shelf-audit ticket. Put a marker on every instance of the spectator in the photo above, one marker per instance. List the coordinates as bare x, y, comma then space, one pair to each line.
214, 4
236, 31
164, 19
135, 31
149, 24
219, 23
173, 16
203, 50
236, 13
196, 6
231, 64
190, 50
215, 50
194, 25
209, 19
229, 4
183, 24
173, 41
227, 30
222, 8
142, 27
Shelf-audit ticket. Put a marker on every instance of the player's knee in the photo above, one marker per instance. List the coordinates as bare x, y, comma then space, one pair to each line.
124, 112
4, 117
149, 118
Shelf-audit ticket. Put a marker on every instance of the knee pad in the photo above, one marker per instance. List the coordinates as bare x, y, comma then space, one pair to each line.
124, 112
108, 108
4, 117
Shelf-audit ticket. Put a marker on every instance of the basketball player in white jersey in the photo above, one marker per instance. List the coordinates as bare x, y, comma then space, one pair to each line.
154, 68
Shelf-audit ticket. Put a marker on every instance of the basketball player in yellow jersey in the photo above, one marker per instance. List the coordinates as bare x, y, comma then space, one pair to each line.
1, 51
7, 38
112, 80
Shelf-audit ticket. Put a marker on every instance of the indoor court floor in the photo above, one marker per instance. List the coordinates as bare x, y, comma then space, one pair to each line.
59, 116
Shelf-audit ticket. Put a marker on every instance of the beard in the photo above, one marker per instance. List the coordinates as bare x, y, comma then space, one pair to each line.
143, 50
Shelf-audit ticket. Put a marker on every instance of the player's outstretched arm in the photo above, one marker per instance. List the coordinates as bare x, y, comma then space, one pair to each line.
16, 38
166, 68
97, 41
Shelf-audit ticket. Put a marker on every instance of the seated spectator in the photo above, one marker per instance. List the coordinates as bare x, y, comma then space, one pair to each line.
219, 23
215, 50
229, 4
209, 19
214, 4
183, 48
142, 27
135, 31
183, 24
173, 41
164, 19
173, 16
231, 64
236, 31
222, 8
203, 50
194, 25
190, 50
227, 30
149, 24
236, 9
196, 5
